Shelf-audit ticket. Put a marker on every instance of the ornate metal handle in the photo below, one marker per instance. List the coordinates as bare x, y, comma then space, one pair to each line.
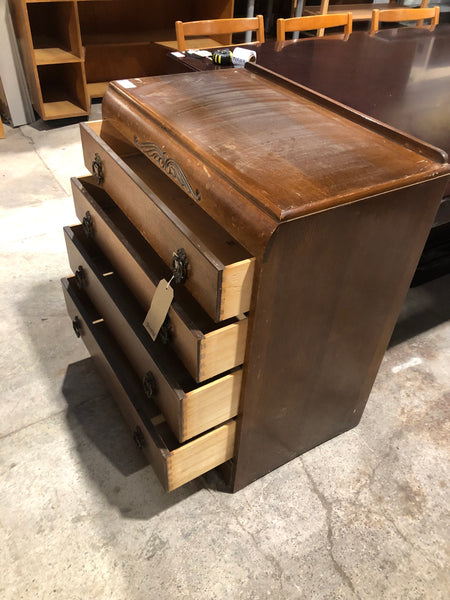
180, 265
165, 333
138, 437
97, 169
88, 225
77, 327
80, 277
149, 385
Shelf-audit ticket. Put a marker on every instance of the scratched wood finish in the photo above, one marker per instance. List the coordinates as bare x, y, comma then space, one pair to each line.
335, 208
287, 179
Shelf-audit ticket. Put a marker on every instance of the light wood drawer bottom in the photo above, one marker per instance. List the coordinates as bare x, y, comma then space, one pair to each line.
175, 464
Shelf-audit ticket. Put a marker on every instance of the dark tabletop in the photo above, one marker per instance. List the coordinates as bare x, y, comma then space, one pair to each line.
399, 76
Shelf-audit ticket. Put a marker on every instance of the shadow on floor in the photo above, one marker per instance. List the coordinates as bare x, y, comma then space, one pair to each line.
425, 307
107, 451
101, 438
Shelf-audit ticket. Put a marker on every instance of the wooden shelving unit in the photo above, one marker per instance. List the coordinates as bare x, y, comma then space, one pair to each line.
54, 56
63, 90
49, 35
72, 49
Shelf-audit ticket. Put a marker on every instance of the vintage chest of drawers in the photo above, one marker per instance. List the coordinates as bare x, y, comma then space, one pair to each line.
291, 226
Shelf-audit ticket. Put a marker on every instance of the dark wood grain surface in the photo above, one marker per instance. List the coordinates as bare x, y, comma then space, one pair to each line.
330, 290
335, 208
286, 150
399, 76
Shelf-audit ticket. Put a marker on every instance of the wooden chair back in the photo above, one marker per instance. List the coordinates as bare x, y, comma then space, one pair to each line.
216, 27
404, 14
319, 22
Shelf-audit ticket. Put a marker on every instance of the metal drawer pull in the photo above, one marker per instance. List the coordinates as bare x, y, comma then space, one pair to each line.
80, 277
165, 333
88, 225
138, 437
97, 169
76, 324
149, 385
180, 265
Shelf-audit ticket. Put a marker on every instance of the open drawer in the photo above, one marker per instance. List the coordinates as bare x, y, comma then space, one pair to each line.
175, 464
189, 408
215, 268
205, 348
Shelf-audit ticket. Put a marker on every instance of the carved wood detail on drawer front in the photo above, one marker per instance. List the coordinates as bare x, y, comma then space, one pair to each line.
220, 272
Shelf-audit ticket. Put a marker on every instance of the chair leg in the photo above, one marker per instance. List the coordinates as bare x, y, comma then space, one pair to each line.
298, 13
323, 11
293, 8
268, 22
250, 14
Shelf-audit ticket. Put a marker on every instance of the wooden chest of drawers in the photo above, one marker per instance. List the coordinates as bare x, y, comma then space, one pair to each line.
292, 226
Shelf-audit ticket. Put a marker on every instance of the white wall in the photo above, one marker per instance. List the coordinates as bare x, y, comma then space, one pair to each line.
11, 72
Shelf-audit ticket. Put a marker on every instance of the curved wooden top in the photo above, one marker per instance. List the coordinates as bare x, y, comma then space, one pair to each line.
286, 148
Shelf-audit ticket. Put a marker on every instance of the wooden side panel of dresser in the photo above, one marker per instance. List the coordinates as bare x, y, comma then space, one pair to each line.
329, 292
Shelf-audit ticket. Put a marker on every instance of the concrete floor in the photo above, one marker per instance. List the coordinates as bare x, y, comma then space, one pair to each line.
82, 516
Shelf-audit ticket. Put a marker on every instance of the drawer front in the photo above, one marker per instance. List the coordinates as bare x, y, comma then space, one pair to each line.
204, 348
212, 265
175, 464
189, 409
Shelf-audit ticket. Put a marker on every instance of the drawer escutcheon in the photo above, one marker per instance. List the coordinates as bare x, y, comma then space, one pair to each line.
88, 225
139, 438
165, 333
149, 385
77, 327
180, 265
80, 277
97, 169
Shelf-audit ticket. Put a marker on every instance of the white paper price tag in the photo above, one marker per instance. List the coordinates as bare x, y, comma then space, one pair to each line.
159, 308
126, 83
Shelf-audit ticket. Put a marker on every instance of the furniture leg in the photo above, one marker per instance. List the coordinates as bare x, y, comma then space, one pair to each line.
250, 13
298, 13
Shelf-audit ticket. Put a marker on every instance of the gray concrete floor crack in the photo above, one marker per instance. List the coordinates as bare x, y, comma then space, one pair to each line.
328, 510
396, 436
267, 556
